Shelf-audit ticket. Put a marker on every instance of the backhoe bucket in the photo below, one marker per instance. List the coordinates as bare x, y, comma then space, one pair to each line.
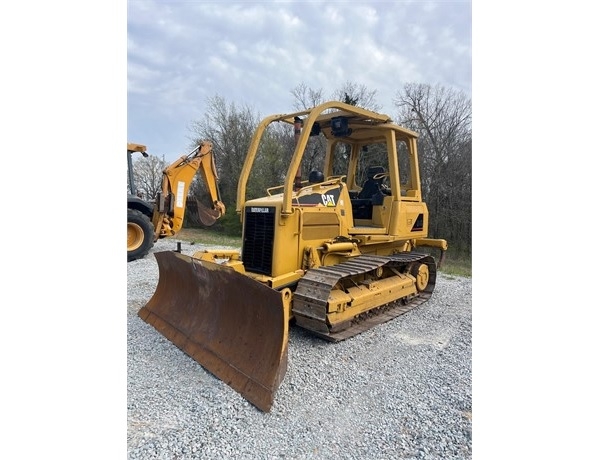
232, 325
199, 213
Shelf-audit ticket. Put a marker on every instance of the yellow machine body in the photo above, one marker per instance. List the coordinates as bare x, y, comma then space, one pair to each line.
335, 253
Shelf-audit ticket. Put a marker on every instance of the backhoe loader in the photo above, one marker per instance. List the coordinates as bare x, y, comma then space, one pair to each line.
334, 253
147, 221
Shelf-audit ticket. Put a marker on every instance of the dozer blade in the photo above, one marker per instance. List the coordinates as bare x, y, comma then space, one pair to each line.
232, 325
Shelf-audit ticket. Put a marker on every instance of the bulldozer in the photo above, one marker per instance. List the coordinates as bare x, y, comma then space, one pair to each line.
148, 221
336, 252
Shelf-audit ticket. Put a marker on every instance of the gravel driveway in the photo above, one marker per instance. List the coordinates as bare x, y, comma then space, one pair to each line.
400, 391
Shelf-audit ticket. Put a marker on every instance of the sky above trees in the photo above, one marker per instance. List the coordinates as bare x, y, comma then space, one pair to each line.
255, 53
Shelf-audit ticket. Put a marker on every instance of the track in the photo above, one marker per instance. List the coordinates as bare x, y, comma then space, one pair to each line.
311, 297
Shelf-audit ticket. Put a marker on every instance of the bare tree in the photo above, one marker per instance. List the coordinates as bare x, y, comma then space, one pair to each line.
443, 117
306, 97
230, 129
358, 95
350, 93
147, 174
273, 159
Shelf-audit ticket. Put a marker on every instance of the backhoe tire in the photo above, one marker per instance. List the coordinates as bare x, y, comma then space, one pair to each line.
140, 235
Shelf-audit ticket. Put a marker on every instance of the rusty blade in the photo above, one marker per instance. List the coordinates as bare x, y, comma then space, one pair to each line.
232, 325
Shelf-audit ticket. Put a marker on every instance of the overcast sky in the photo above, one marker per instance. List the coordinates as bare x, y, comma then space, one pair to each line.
179, 53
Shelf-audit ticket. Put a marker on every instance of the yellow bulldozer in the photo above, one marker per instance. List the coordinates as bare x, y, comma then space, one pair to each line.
334, 253
149, 220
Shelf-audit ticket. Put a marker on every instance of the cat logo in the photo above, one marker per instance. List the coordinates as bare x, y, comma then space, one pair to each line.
328, 200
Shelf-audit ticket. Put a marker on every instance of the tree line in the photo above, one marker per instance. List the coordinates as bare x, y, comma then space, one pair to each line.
441, 116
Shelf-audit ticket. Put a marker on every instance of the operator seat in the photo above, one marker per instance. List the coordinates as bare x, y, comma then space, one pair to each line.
372, 186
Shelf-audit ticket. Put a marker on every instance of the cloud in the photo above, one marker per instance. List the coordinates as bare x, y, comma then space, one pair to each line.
255, 53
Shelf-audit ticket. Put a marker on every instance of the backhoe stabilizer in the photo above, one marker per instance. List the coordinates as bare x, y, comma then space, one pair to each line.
234, 326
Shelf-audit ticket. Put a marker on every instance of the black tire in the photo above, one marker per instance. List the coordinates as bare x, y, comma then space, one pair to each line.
140, 235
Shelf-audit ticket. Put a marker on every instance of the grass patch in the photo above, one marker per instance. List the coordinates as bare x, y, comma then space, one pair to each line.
457, 267
208, 237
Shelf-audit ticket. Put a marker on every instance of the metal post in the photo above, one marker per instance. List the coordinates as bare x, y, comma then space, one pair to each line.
130, 173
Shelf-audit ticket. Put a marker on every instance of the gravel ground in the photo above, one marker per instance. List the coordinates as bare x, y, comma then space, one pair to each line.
400, 391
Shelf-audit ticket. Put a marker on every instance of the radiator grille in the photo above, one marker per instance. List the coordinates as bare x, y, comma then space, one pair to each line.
258, 239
